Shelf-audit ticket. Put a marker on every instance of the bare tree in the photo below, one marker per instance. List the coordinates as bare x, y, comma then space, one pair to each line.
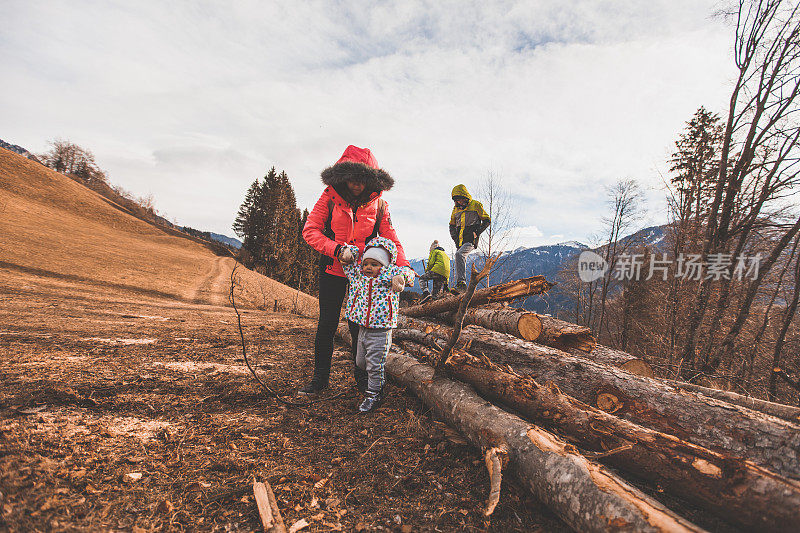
788, 318
758, 168
69, 158
626, 201
502, 234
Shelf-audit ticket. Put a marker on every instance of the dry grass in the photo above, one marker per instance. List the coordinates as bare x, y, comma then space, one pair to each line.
54, 227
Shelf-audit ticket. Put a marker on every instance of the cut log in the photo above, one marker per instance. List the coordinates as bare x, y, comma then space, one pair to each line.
623, 360
498, 293
787, 412
565, 336
733, 430
522, 324
586, 495
737, 491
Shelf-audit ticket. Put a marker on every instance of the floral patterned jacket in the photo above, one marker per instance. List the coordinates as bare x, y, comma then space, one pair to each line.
371, 302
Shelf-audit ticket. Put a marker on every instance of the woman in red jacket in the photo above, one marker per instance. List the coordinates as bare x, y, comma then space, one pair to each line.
350, 211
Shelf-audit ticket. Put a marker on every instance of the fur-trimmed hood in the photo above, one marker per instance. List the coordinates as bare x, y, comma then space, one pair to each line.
358, 164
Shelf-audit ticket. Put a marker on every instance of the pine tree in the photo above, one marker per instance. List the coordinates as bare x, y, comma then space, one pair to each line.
270, 226
287, 220
696, 163
244, 224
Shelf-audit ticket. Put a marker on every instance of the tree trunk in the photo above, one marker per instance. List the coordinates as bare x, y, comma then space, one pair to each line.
623, 360
499, 293
584, 494
565, 336
735, 490
730, 429
786, 412
508, 320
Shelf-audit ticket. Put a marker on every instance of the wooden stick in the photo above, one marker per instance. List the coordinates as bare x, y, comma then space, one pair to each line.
458, 319
268, 509
496, 458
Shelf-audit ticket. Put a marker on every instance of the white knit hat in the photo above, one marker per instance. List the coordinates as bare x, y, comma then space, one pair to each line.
378, 254
434, 245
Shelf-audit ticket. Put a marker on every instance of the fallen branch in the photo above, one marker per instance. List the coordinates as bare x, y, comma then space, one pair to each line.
584, 494
267, 388
497, 293
458, 318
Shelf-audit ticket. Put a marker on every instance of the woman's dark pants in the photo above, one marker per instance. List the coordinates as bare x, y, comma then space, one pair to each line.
332, 290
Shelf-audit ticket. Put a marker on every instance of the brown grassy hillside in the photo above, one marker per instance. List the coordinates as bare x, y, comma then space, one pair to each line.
53, 227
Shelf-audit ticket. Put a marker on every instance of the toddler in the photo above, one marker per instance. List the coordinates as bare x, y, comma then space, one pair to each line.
372, 303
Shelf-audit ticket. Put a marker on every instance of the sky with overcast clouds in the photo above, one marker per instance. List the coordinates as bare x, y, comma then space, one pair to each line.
191, 101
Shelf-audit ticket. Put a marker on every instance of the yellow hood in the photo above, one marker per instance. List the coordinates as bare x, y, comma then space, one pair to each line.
461, 190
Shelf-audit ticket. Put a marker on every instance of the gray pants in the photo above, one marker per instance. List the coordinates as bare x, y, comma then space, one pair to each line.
371, 351
461, 261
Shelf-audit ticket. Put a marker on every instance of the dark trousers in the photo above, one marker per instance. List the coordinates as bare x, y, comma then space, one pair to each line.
332, 290
439, 281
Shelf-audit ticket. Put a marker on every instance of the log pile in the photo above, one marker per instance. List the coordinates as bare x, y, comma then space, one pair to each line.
579, 407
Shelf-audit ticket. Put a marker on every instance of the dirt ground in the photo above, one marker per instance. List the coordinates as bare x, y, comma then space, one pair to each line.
132, 413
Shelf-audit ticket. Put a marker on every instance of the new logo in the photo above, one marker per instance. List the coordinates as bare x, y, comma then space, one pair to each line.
591, 266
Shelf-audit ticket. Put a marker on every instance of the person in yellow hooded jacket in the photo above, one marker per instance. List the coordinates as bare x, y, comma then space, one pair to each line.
468, 220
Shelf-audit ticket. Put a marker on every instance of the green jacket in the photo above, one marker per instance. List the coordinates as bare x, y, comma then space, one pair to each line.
466, 224
439, 262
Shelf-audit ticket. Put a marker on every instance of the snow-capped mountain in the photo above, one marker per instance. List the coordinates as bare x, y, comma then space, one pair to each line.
547, 261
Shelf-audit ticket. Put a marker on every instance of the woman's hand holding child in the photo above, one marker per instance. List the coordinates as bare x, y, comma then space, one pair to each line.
346, 257
398, 283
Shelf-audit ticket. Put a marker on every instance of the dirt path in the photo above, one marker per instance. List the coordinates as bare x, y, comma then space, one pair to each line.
118, 413
212, 285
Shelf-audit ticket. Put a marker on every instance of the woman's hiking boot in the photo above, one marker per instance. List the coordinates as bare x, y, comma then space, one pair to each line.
313, 387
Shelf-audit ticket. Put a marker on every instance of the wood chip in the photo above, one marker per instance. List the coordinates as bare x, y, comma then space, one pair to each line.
297, 526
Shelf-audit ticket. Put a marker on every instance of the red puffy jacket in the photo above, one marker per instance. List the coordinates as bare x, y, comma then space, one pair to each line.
348, 226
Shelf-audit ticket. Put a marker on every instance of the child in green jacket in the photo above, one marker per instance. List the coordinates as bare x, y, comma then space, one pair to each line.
437, 270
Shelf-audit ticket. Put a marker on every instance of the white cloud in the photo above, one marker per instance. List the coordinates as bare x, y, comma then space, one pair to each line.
191, 101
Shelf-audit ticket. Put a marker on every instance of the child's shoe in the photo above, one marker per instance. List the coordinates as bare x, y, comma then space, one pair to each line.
371, 401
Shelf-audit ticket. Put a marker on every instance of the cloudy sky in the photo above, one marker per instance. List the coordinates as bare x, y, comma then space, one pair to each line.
191, 101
